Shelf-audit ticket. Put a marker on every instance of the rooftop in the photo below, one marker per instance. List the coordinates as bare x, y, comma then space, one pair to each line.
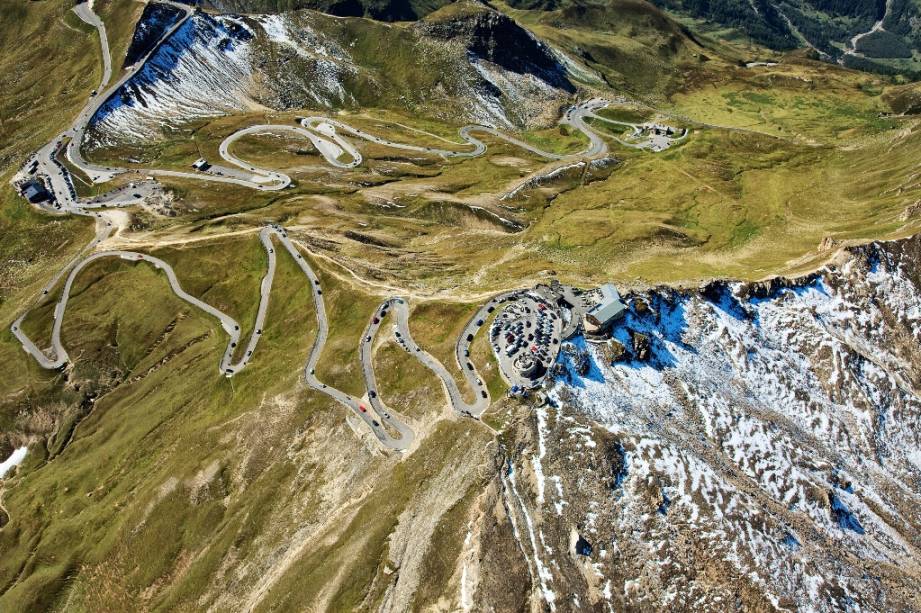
610, 306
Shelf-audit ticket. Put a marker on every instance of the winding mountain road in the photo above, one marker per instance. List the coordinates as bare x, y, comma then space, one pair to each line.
855, 40
324, 134
56, 356
575, 117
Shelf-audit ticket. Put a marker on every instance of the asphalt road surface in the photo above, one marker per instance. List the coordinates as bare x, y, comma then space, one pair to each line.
655, 142
528, 328
57, 357
324, 134
574, 117
378, 422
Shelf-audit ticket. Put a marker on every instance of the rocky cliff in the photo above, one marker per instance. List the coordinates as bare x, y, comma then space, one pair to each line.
759, 451
480, 66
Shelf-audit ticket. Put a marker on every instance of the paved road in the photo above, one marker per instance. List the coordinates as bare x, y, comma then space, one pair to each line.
662, 142
462, 351
398, 306
97, 173
85, 12
324, 134
528, 328
57, 357
877, 27
574, 117
103, 230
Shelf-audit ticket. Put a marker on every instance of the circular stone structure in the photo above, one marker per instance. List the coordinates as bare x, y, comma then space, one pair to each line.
526, 366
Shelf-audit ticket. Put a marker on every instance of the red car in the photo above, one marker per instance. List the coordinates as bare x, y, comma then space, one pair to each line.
363, 409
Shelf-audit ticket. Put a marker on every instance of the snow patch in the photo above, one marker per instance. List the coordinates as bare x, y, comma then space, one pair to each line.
15, 459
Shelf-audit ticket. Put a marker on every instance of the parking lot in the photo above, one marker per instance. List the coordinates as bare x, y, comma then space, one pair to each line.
525, 337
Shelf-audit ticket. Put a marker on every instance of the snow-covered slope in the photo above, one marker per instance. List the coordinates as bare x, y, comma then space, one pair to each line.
215, 65
204, 69
304, 51
765, 453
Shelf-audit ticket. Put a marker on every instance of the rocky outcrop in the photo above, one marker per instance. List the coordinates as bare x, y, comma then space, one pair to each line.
763, 456
480, 67
202, 70
496, 38
156, 19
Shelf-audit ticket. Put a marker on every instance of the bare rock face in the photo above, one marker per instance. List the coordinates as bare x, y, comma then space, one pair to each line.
490, 69
614, 351
764, 456
640, 306
640, 344
494, 37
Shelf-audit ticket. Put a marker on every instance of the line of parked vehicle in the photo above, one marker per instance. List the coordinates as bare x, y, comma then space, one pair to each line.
525, 338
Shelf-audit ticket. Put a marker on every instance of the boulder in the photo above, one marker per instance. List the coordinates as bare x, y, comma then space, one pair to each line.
641, 345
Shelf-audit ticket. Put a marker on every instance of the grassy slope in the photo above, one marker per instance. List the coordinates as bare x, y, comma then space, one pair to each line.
100, 524
142, 522
31, 110
349, 572
120, 16
631, 45
161, 421
726, 202
38, 98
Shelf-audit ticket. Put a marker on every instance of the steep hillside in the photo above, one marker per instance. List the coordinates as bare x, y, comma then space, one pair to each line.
876, 35
745, 447
738, 444
480, 66
202, 70
153, 23
628, 45
872, 35
384, 10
